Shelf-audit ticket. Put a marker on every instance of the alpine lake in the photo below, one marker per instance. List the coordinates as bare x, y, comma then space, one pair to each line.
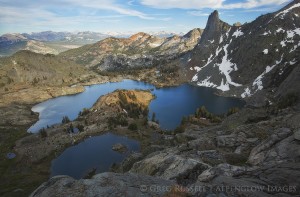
95, 153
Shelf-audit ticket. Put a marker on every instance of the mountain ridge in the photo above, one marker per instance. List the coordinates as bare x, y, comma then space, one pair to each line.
139, 50
56, 42
243, 60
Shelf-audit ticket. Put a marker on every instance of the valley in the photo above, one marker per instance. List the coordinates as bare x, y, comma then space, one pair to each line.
239, 129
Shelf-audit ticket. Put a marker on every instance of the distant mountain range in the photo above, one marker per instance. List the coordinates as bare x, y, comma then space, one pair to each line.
56, 42
257, 58
138, 51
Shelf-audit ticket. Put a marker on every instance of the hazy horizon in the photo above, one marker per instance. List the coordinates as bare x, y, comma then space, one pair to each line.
125, 16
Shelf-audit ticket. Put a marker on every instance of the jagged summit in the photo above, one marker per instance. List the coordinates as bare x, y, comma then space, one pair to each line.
213, 22
213, 19
214, 27
250, 58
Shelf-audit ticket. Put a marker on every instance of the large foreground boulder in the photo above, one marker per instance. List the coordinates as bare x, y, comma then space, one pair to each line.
105, 184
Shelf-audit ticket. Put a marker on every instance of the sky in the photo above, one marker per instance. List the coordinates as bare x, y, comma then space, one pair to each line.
25, 16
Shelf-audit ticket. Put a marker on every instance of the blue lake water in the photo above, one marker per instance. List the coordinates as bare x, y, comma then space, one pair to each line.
171, 104
93, 153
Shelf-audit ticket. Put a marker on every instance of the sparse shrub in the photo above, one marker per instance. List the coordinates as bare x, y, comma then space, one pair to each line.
35, 81
232, 110
180, 129
184, 120
43, 133
145, 121
84, 112
80, 127
118, 120
153, 117
71, 128
65, 119
133, 127
203, 113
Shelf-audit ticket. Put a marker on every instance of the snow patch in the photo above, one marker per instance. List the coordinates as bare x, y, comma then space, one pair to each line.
206, 83
221, 39
289, 37
266, 33
223, 87
227, 33
211, 41
226, 67
293, 62
247, 93
284, 12
218, 51
294, 48
297, 31
197, 68
238, 33
191, 68
283, 44
258, 81
290, 34
195, 77
209, 60
14, 62
266, 51
155, 44
280, 30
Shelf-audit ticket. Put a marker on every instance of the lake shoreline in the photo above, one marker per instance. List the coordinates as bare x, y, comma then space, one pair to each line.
29, 117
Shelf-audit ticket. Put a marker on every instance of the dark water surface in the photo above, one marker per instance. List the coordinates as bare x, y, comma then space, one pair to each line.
93, 153
170, 105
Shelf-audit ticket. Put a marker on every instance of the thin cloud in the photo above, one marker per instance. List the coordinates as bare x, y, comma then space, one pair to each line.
212, 4
197, 13
131, 3
186, 4
109, 5
254, 4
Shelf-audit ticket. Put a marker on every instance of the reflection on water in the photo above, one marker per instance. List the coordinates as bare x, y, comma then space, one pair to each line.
93, 153
170, 105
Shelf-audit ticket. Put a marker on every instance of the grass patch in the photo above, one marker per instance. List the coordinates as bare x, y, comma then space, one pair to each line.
18, 176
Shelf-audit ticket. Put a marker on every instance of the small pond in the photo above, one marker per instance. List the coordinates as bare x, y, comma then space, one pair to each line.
93, 153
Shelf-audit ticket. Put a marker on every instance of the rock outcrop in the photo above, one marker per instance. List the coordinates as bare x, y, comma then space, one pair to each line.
252, 59
105, 184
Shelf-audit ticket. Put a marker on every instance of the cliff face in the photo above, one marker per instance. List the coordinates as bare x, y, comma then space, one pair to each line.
106, 184
256, 57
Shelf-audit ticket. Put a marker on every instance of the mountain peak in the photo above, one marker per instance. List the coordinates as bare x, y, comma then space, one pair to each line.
139, 36
197, 32
214, 27
213, 20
